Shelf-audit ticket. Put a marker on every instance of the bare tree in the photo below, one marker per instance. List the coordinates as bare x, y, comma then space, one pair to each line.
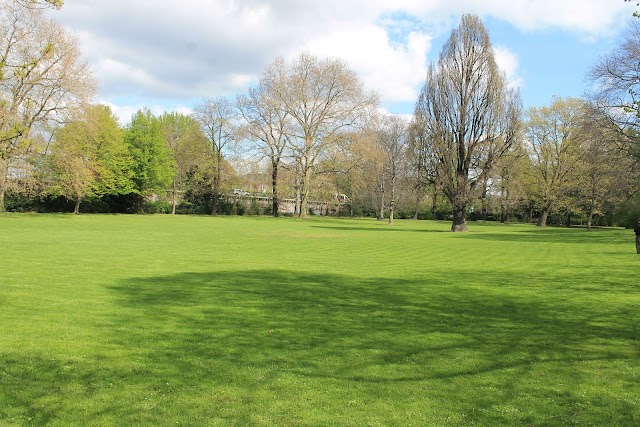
267, 123
187, 144
219, 121
510, 180
424, 166
41, 78
416, 165
607, 174
616, 86
467, 114
324, 99
41, 4
392, 140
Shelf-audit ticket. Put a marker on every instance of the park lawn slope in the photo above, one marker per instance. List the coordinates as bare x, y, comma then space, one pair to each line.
232, 321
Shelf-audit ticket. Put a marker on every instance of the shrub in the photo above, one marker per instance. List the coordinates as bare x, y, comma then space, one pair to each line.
157, 207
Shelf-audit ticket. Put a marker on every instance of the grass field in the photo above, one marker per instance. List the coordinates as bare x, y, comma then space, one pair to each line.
238, 321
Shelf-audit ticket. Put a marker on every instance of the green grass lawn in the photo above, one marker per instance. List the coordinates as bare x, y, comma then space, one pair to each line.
237, 321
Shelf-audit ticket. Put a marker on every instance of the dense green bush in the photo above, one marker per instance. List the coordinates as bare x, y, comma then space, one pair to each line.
629, 213
157, 207
20, 202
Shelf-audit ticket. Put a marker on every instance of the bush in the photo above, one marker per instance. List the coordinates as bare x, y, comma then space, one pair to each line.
157, 207
628, 214
255, 209
20, 202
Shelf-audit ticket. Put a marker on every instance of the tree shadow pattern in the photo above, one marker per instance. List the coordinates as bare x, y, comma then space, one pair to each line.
283, 347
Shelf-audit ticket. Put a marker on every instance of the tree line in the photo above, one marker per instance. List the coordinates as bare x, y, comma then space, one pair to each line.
308, 130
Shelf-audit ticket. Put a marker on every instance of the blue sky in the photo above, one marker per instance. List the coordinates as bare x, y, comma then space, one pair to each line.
551, 62
168, 55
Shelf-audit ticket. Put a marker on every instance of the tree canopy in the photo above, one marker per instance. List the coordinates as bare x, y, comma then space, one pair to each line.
467, 115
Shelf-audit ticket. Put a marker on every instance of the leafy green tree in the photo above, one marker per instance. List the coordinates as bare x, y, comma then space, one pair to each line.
42, 79
554, 145
152, 163
89, 157
188, 147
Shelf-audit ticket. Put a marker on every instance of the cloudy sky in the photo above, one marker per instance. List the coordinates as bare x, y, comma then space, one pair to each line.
169, 54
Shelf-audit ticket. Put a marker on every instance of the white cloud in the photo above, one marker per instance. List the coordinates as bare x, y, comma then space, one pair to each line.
162, 51
508, 63
394, 71
593, 18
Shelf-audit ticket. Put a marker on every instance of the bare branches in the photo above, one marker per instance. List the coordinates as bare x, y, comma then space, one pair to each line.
41, 76
218, 120
465, 115
322, 99
616, 84
41, 4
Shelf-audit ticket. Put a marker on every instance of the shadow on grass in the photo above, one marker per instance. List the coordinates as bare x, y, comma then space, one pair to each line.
297, 348
380, 227
382, 335
553, 235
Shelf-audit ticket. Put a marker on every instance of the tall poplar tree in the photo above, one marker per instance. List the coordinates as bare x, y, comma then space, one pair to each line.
467, 116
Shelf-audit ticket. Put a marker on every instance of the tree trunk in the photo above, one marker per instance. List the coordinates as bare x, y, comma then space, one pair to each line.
296, 186
216, 184
484, 203
483, 209
304, 195
417, 209
215, 197
508, 218
434, 204
542, 221
459, 217
505, 208
503, 202
4, 170
76, 208
381, 211
531, 206
459, 199
591, 209
392, 203
139, 203
214, 204
275, 203
173, 197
